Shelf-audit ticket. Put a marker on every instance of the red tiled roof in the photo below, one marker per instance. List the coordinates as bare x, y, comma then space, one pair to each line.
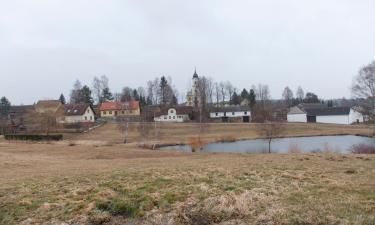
132, 105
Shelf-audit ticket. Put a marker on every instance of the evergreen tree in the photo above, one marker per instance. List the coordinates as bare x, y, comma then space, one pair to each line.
236, 99
136, 95
149, 101
245, 94
252, 98
106, 95
62, 99
4, 106
311, 98
85, 95
163, 90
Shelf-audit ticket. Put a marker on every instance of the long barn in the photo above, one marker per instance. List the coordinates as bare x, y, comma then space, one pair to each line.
323, 114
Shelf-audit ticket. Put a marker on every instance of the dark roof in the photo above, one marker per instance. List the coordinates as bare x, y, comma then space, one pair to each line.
195, 74
21, 108
327, 111
312, 105
75, 109
230, 109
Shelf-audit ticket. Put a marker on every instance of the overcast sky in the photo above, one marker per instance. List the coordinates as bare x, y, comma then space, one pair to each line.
45, 45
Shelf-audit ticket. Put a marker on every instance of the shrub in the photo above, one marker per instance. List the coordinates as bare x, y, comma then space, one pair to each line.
363, 149
34, 137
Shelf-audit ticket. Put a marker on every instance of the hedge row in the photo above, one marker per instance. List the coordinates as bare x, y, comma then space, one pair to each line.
34, 137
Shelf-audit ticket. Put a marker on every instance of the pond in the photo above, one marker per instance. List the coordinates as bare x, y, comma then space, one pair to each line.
340, 144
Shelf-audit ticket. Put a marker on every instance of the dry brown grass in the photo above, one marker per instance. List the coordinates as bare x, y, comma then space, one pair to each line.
120, 184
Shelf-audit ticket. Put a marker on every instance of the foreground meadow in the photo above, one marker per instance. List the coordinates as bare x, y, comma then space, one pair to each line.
98, 181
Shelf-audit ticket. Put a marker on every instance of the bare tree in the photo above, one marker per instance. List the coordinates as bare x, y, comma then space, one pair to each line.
75, 95
287, 96
98, 86
269, 131
229, 89
263, 108
364, 86
210, 90
300, 94
222, 92
123, 126
217, 93
126, 94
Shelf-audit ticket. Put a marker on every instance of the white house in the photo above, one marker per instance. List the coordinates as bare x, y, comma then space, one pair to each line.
230, 113
178, 114
78, 113
324, 114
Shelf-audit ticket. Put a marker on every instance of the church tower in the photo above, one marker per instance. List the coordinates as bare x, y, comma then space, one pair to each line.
193, 96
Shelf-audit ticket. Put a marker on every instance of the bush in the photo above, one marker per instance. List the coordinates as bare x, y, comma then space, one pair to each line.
34, 137
363, 149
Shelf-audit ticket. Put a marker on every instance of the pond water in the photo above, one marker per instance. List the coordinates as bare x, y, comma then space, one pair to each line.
340, 144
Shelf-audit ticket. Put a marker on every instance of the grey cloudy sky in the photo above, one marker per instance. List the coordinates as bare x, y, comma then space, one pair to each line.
319, 44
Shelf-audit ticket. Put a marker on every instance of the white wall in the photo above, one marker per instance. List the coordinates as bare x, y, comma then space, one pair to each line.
335, 119
297, 118
355, 116
172, 117
229, 114
88, 116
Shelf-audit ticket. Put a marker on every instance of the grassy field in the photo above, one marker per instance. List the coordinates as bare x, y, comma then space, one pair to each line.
90, 179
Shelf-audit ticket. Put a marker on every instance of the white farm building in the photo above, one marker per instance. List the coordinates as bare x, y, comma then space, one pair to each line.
324, 114
178, 114
231, 113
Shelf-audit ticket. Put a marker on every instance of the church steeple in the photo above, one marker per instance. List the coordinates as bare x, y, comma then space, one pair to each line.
195, 73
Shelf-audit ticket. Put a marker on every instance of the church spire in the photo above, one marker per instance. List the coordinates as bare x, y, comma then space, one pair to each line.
195, 73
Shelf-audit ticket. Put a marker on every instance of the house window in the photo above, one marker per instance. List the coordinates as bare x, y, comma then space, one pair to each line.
233, 113
174, 117
216, 114
170, 117
105, 113
245, 113
90, 117
88, 111
123, 112
110, 112
165, 117
85, 117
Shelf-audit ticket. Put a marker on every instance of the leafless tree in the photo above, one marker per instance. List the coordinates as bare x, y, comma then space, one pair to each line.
98, 85
229, 89
364, 85
287, 96
210, 89
141, 91
269, 131
222, 92
75, 95
217, 93
126, 94
300, 94
262, 110
123, 126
